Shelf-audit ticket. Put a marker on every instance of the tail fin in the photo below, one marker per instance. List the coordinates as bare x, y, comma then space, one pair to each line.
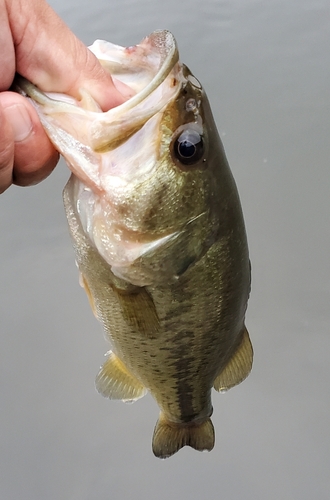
169, 437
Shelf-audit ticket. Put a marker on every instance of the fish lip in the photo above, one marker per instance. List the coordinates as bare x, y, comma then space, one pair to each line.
108, 129
161, 39
169, 62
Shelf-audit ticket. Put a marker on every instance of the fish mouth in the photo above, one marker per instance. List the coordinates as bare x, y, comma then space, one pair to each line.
153, 65
159, 50
164, 43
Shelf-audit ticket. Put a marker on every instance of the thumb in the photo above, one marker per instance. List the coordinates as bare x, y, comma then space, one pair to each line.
26, 154
6, 152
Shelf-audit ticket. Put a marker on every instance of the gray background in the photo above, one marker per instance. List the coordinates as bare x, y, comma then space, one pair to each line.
266, 68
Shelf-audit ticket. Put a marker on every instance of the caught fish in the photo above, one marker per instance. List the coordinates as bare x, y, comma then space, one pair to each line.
159, 237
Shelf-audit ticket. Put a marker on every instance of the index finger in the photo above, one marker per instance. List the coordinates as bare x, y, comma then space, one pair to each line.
53, 58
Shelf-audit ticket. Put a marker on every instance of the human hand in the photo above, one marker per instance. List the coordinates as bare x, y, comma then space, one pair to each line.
37, 44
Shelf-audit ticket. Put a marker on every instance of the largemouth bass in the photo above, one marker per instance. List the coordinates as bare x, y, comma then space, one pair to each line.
159, 237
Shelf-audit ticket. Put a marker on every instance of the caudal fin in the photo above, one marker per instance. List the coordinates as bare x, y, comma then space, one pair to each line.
169, 437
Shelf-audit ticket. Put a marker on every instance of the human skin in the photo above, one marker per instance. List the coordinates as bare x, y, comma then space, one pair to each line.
37, 44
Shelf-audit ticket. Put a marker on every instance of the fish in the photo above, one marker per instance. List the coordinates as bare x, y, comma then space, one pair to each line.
159, 236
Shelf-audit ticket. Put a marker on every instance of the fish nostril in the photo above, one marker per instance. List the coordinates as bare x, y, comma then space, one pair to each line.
191, 105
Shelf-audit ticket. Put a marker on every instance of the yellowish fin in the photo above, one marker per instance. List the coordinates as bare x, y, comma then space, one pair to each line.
83, 283
169, 437
114, 381
139, 310
238, 367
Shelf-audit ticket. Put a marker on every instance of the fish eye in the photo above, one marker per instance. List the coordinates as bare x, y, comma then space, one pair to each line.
189, 147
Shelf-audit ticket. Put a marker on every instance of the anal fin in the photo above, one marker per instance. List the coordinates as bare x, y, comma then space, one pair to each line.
170, 437
238, 367
114, 381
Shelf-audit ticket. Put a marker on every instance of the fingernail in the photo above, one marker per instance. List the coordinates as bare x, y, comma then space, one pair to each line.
19, 118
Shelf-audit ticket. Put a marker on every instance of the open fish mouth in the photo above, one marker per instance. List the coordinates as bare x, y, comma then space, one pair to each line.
151, 69
121, 158
124, 160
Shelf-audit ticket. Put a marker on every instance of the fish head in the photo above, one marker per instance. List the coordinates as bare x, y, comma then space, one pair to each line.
148, 174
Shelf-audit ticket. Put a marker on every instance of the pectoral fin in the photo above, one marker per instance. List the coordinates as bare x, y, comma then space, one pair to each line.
139, 310
238, 367
114, 381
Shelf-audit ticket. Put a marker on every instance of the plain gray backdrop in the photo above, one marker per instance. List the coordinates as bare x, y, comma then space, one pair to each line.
266, 68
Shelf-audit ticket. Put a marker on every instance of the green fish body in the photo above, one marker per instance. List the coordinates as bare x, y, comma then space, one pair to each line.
159, 237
